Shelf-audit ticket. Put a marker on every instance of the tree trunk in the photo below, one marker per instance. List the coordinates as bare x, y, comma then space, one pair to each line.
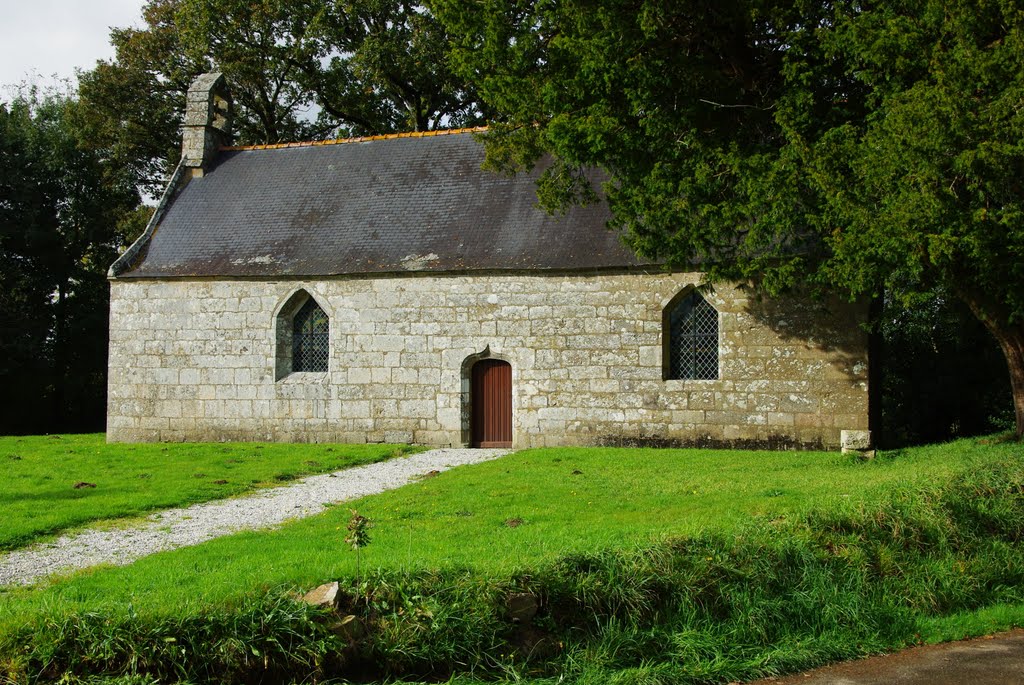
1011, 341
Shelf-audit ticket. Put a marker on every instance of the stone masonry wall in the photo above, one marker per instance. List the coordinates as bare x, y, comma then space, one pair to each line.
199, 360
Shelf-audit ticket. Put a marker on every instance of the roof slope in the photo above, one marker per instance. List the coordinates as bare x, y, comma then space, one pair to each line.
409, 203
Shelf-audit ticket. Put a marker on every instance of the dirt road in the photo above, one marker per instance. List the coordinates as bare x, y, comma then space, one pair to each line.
995, 660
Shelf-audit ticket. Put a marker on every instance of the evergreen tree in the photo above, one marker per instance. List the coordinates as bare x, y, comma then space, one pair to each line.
843, 146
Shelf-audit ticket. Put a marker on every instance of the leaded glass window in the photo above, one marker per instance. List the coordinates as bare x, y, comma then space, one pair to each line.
693, 339
310, 338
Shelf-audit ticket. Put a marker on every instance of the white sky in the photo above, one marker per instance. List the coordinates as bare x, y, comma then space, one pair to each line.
43, 38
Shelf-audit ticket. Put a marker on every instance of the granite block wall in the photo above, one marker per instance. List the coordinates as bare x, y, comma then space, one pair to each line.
208, 360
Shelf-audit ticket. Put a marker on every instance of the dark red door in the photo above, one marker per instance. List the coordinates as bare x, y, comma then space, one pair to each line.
492, 403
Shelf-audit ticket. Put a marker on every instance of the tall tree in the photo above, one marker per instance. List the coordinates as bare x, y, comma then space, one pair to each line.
134, 104
299, 70
64, 211
849, 146
380, 66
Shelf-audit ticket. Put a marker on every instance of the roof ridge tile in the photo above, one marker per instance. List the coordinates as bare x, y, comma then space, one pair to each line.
358, 139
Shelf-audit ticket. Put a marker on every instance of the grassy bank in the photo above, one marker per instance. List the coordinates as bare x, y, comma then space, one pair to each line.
39, 497
783, 562
527, 508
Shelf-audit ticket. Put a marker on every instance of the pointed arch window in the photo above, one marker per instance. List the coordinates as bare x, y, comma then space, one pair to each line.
310, 338
692, 339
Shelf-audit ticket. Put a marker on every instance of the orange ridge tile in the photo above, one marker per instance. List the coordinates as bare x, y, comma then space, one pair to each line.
359, 139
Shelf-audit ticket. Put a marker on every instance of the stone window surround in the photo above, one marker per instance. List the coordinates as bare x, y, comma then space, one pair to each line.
668, 306
283, 332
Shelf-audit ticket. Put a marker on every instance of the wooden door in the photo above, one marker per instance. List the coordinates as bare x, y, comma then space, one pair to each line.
492, 403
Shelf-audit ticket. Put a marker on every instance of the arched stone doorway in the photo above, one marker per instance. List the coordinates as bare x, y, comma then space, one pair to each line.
491, 398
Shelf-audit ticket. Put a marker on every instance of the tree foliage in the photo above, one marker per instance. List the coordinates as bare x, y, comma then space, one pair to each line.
65, 209
299, 70
849, 146
379, 66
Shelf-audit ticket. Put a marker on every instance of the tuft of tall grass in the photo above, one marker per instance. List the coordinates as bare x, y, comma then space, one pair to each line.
265, 639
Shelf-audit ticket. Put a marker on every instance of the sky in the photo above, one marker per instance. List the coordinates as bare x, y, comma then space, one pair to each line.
43, 38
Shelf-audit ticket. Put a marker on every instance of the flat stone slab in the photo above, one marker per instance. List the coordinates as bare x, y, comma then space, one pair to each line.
198, 523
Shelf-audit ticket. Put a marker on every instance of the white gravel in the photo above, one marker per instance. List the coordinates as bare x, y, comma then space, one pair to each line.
175, 528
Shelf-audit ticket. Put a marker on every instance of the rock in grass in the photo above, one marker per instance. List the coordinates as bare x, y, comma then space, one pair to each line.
324, 596
349, 628
82, 484
522, 607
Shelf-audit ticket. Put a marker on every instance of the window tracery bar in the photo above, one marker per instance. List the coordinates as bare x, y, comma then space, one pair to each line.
693, 347
310, 338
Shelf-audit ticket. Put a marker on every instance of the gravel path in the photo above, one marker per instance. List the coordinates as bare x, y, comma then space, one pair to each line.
175, 528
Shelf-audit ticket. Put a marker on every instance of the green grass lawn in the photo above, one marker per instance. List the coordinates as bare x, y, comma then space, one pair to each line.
494, 517
38, 496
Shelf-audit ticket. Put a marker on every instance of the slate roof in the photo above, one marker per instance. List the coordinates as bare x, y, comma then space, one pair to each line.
406, 203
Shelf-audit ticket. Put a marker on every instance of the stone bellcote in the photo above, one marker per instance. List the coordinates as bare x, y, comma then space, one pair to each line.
208, 113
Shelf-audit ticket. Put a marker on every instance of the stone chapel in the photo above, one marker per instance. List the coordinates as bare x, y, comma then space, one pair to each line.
388, 289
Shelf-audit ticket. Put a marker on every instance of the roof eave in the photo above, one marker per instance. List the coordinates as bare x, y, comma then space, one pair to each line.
128, 258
